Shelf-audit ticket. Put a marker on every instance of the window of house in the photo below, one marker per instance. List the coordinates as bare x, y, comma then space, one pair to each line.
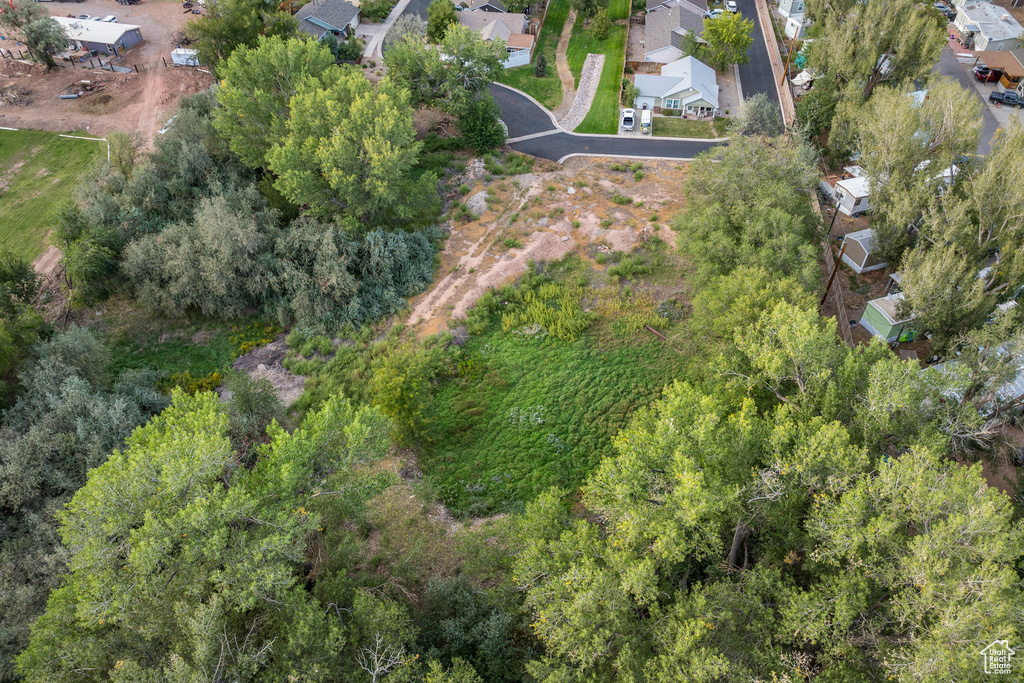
671, 104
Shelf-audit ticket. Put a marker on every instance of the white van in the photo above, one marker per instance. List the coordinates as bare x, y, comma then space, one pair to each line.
110, 19
645, 121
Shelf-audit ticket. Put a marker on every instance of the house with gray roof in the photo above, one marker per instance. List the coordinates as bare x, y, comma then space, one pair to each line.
322, 17
666, 27
701, 5
489, 6
510, 28
687, 85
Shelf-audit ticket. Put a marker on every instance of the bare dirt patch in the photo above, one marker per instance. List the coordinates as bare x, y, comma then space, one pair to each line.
551, 213
136, 102
265, 363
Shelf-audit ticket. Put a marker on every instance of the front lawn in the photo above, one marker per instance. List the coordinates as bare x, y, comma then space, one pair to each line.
604, 111
547, 90
38, 171
678, 127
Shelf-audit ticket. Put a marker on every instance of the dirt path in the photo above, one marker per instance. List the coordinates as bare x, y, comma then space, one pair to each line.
47, 261
562, 65
550, 213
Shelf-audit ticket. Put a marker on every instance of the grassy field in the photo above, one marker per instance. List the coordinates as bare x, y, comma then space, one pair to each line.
678, 127
529, 410
604, 112
547, 90
38, 170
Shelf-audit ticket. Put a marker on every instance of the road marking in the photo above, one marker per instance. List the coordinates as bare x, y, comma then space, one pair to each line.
532, 136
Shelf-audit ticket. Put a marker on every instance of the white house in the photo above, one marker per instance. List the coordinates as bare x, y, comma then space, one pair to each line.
796, 27
852, 195
508, 27
789, 8
687, 85
985, 27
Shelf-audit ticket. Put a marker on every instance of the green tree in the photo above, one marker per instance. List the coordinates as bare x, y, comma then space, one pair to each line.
407, 25
174, 571
19, 284
20, 13
481, 124
402, 381
221, 263
230, 24
905, 147
540, 66
66, 420
585, 8
689, 45
601, 26
470, 65
728, 36
44, 37
257, 85
441, 16
943, 293
861, 44
350, 147
758, 115
629, 93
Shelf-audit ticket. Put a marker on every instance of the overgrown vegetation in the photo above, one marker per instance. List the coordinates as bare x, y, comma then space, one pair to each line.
546, 89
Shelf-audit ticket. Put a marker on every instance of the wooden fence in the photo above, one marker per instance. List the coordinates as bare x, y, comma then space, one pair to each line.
764, 14
842, 319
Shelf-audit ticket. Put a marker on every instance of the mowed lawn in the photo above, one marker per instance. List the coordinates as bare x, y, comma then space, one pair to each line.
547, 90
38, 171
604, 111
678, 127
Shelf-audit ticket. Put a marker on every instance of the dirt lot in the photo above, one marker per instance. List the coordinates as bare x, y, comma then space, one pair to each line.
551, 212
129, 102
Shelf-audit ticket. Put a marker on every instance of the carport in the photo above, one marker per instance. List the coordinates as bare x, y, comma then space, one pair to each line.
1006, 62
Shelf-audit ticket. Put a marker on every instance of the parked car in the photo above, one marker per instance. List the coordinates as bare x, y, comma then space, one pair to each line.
942, 7
1011, 99
712, 13
731, 6
986, 75
84, 17
111, 19
645, 121
628, 118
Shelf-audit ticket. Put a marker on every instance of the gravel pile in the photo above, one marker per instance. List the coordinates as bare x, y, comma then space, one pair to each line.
589, 78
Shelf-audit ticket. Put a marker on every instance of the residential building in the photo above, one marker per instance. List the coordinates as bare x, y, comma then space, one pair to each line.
789, 8
106, 38
489, 6
686, 85
1009, 64
665, 28
511, 29
987, 27
322, 17
701, 5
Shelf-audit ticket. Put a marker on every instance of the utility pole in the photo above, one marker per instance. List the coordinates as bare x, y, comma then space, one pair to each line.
835, 269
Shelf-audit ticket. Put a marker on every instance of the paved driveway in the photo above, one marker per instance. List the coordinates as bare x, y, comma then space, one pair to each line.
757, 76
949, 66
532, 130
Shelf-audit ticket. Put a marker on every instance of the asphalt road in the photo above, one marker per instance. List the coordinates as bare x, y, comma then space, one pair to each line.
757, 76
949, 66
417, 7
523, 117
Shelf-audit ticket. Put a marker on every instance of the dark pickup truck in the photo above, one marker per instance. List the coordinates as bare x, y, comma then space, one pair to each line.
1008, 98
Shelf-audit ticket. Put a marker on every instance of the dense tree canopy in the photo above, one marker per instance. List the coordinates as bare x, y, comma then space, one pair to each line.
727, 38
230, 24
727, 542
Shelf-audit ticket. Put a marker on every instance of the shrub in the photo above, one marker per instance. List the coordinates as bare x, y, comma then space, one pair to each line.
606, 222
556, 212
630, 267
481, 126
189, 384
601, 258
638, 176
636, 166
512, 243
540, 67
621, 200
463, 189
556, 308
